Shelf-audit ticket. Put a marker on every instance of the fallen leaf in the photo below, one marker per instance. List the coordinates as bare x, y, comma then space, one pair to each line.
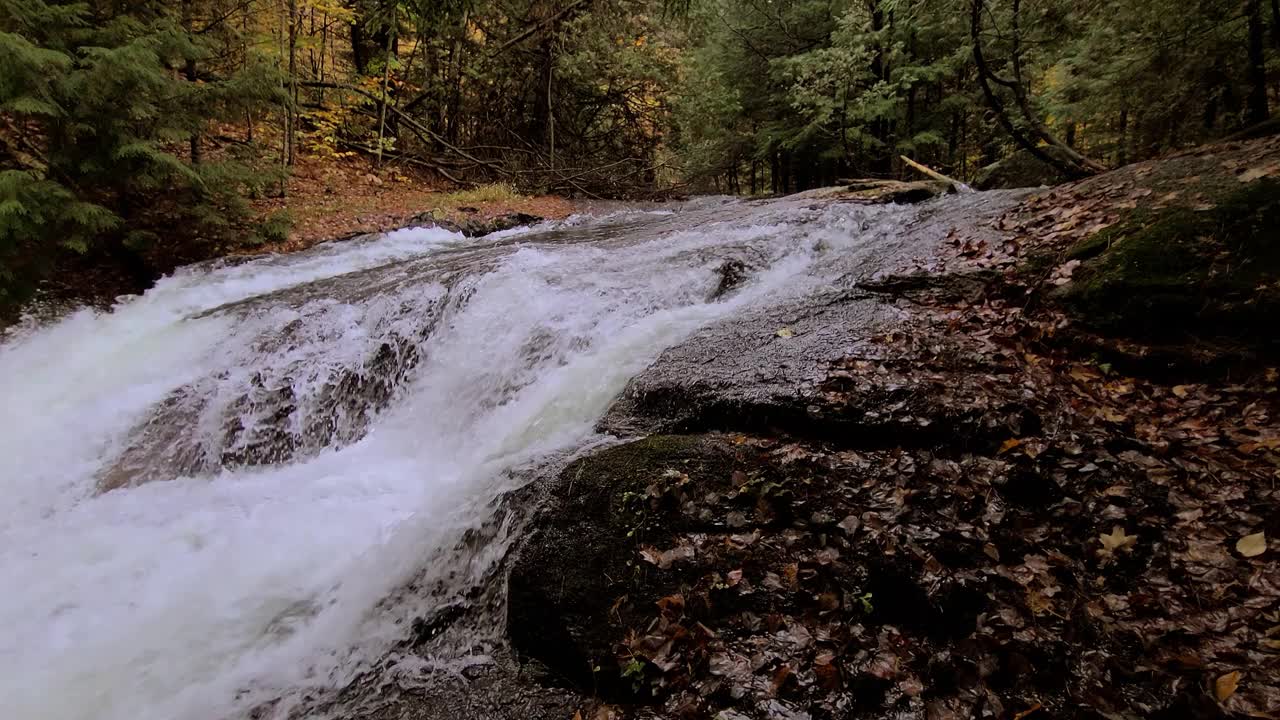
1113, 416
1028, 711
1225, 686
1181, 390
1258, 173
786, 332
1008, 445
1116, 539
1252, 545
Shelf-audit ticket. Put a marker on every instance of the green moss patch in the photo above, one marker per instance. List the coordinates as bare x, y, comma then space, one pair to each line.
1177, 272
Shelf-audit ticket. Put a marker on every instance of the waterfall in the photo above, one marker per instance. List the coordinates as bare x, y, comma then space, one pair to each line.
213, 496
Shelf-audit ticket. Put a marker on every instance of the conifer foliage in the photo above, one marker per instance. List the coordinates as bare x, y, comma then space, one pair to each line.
95, 108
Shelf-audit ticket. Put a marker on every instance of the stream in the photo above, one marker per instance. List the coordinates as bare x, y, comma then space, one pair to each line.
238, 490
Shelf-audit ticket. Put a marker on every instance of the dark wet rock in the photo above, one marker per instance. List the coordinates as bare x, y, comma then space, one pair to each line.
742, 376
474, 226
265, 425
563, 608
1021, 170
732, 273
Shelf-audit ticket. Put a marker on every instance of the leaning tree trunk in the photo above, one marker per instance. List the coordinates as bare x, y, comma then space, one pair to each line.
1070, 162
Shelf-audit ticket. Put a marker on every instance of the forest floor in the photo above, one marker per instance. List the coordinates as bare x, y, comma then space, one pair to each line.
990, 509
338, 198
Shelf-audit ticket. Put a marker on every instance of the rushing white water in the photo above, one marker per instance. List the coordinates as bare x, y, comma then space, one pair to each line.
318, 429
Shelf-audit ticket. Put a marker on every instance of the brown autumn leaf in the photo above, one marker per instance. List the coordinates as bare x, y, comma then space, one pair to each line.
672, 605
1009, 444
1252, 545
780, 678
1225, 686
1028, 711
1258, 173
1116, 540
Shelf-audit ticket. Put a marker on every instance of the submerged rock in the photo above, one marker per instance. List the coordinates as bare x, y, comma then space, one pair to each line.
732, 273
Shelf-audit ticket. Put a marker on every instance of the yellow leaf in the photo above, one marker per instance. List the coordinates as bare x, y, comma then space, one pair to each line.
786, 332
1226, 685
1113, 416
1252, 545
1181, 390
1116, 539
1008, 445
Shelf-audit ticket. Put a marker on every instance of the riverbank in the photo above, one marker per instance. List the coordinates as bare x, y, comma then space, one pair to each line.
325, 200
956, 489
808, 457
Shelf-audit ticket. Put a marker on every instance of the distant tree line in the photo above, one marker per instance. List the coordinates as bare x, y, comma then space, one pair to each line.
126, 124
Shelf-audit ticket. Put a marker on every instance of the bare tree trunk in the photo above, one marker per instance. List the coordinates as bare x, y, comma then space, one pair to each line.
188, 26
386, 79
1275, 24
1122, 157
1256, 111
292, 124
551, 115
455, 95
324, 48
288, 110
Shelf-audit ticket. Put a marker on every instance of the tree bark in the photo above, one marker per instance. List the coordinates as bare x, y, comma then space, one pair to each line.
1077, 164
1122, 157
1275, 24
190, 71
386, 80
292, 124
1256, 110
882, 163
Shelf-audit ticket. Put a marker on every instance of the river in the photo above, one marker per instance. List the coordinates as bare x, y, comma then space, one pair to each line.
213, 496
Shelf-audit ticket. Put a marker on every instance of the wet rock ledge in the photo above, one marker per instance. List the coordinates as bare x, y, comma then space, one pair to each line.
930, 497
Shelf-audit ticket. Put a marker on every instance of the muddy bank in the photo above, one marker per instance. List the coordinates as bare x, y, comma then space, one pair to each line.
925, 494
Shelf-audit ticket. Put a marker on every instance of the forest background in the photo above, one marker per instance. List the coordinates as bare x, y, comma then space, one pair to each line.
140, 135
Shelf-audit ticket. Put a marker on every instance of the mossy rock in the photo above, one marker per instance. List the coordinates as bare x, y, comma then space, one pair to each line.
568, 589
1021, 170
1178, 273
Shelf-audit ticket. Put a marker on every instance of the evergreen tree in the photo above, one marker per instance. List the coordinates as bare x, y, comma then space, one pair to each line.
95, 108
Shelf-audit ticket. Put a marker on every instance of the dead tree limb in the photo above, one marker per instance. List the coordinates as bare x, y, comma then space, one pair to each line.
415, 125
535, 28
930, 172
1074, 164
